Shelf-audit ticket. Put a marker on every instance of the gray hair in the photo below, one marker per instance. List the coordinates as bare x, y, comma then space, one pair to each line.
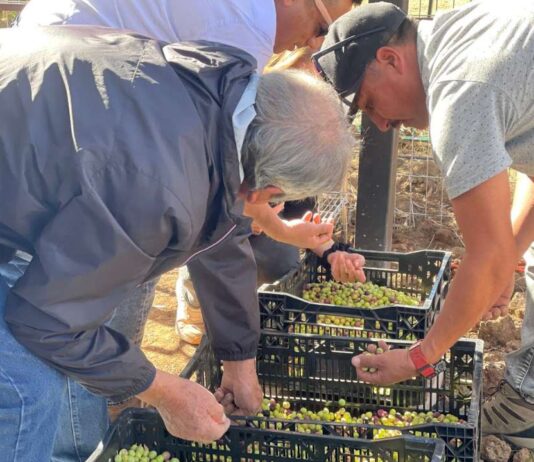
300, 140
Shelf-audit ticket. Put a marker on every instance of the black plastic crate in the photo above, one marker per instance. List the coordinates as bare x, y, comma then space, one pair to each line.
291, 314
247, 444
313, 371
424, 275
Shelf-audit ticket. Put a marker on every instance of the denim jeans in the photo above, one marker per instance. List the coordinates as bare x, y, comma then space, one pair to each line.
30, 393
520, 363
82, 416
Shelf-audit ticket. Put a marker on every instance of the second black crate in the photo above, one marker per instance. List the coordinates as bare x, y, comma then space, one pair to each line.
424, 275
287, 313
313, 371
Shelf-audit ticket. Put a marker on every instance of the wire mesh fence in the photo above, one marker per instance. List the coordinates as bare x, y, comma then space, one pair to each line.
333, 207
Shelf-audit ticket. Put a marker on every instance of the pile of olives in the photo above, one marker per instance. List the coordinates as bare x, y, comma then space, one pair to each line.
392, 418
141, 453
357, 294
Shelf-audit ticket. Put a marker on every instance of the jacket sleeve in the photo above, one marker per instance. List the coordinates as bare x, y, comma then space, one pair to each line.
225, 284
94, 250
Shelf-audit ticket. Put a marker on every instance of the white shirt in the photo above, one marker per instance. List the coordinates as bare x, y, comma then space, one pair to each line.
246, 24
243, 115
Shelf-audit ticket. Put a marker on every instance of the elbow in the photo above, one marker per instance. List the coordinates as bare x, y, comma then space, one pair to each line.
496, 261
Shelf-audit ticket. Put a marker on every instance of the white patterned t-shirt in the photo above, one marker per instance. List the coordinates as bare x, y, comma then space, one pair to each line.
477, 66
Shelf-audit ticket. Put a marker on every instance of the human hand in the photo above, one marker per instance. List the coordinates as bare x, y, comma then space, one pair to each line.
188, 410
500, 307
386, 367
240, 392
308, 232
347, 267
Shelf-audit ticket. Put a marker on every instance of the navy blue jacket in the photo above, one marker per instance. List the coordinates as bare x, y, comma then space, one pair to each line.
118, 163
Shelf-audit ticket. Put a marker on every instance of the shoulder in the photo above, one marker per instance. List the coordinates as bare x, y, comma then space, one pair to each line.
246, 24
468, 124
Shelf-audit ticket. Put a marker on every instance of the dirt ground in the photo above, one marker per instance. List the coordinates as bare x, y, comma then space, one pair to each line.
160, 342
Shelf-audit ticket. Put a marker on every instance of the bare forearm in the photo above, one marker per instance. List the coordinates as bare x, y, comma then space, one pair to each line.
155, 393
478, 282
304, 233
268, 220
483, 217
323, 248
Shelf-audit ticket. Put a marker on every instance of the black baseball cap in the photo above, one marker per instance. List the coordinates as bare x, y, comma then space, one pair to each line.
352, 42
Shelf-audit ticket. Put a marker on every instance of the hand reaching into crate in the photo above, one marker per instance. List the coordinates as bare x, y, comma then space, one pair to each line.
344, 266
240, 392
383, 366
188, 410
347, 267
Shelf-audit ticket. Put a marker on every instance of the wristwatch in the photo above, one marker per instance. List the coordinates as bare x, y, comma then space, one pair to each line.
427, 370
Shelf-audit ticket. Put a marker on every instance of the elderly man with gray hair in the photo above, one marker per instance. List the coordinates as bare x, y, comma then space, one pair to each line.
120, 158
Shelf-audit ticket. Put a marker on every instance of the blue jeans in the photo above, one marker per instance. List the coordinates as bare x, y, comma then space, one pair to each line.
520, 363
30, 394
83, 417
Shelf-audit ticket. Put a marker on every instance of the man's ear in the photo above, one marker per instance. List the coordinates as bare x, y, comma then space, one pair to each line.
392, 57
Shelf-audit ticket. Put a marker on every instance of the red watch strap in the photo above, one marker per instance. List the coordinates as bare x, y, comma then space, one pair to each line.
420, 362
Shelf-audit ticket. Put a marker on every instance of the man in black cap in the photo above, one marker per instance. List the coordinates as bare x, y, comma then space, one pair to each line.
468, 76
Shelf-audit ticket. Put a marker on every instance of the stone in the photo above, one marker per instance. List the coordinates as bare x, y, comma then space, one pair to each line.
493, 449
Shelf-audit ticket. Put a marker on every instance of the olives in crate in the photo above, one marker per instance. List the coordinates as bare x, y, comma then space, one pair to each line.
357, 294
141, 453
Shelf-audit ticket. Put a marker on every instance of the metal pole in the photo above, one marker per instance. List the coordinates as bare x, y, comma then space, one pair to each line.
376, 182
430, 7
